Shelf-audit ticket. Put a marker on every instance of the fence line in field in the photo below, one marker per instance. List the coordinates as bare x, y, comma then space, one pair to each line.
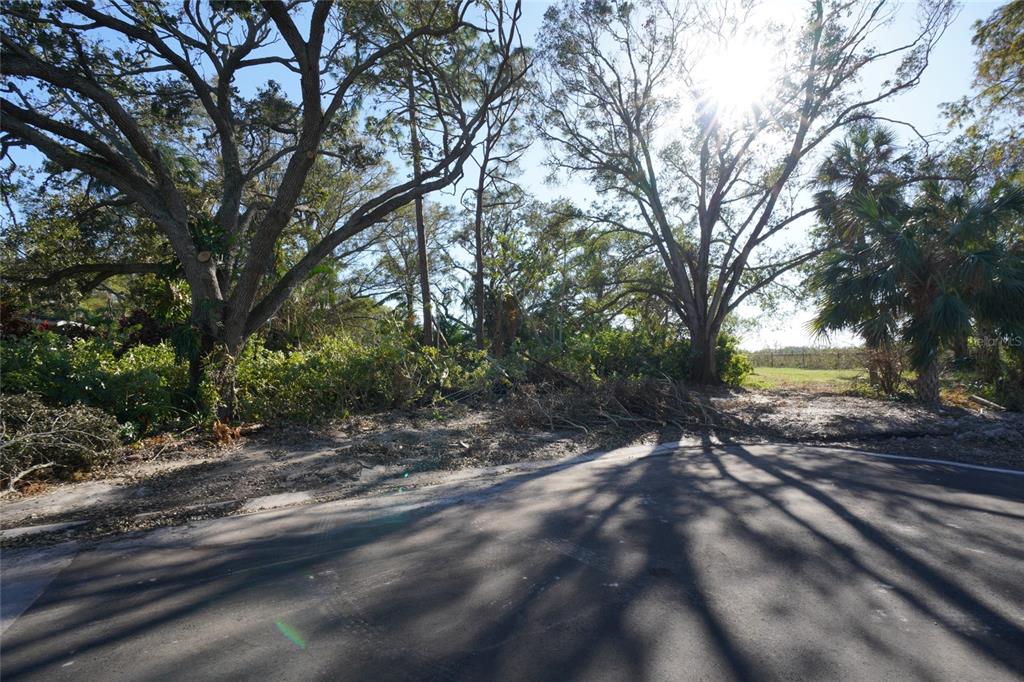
837, 358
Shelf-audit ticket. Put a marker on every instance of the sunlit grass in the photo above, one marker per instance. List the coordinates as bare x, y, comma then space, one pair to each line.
795, 377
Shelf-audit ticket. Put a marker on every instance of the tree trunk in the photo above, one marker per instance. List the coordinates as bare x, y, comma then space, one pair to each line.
216, 361
987, 353
196, 371
703, 368
227, 371
478, 238
421, 243
926, 387
410, 307
873, 359
421, 233
961, 351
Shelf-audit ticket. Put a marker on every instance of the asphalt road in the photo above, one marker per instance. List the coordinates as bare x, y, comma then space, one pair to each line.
716, 563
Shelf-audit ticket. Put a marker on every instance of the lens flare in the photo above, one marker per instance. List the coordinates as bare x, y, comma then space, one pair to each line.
291, 634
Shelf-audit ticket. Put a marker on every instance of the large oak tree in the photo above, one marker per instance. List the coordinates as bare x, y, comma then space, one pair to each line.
125, 92
642, 98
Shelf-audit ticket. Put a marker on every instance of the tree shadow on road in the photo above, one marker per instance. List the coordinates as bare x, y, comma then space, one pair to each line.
715, 561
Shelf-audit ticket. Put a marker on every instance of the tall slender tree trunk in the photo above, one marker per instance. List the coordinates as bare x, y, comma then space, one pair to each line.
421, 233
421, 244
926, 387
478, 238
410, 308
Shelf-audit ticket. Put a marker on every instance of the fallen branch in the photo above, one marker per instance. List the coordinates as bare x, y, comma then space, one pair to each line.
551, 370
986, 403
26, 472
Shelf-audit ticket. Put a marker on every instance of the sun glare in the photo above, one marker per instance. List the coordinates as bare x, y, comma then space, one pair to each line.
738, 76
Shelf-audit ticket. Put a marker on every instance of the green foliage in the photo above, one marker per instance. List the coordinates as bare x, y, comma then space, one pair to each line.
143, 388
616, 353
733, 366
1009, 385
338, 375
59, 442
1000, 67
991, 145
926, 268
622, 353
924, 263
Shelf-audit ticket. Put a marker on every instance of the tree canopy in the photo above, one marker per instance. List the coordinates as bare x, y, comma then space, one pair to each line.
632, 97
179, 110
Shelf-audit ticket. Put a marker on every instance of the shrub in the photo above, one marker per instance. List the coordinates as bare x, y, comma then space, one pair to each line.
340, 375
733, 366
623, 353
1009, 386
638, 354
143, 387
885, 368
37, 440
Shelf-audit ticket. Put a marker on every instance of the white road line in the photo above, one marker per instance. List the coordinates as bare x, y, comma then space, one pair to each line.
850, 451
945, 462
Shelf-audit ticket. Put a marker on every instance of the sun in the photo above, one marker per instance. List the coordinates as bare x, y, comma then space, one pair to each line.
738, 76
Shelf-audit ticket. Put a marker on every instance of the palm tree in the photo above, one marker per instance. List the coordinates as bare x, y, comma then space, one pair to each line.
923, 270
866, 162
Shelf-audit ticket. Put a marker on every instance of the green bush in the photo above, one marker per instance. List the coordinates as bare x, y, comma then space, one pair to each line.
622, 353
733, 366
1008, 390
143, 388
340, 375
638, 354
52, 442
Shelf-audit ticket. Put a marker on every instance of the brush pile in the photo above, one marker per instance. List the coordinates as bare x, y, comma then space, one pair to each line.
616, 404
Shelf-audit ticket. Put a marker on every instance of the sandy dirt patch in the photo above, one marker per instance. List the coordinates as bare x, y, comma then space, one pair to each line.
171, 481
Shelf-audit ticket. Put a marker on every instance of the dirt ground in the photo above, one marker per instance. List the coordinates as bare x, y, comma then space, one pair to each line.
972, 436
169, 481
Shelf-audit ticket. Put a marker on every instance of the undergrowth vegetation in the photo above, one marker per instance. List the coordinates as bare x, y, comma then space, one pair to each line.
143, 390
626, 354
338, 375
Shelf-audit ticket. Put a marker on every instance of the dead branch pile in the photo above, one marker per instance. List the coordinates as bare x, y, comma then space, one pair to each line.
621, 404
38, 441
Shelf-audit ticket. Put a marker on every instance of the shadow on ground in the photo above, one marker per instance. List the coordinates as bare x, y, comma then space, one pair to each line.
721, 562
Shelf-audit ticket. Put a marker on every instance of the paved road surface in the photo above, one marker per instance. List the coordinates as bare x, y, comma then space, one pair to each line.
719, 563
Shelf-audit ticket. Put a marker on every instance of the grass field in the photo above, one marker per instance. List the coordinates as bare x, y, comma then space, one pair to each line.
795, 377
